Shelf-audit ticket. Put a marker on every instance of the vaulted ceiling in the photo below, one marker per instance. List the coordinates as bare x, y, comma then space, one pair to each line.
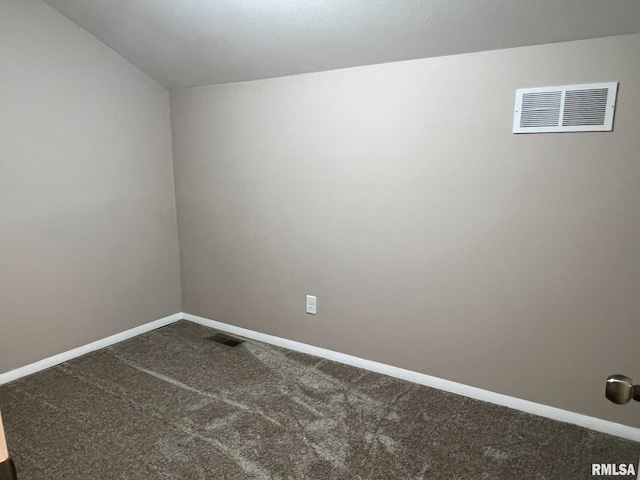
184, 43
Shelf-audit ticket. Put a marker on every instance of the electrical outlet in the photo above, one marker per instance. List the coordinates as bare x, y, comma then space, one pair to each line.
311, 304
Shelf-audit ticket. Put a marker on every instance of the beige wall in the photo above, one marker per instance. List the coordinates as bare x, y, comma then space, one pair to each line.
88, 241
434, 238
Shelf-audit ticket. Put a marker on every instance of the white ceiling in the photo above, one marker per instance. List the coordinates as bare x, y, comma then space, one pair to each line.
185, 43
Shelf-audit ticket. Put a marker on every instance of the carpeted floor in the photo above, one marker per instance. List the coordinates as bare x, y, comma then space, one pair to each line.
172, 404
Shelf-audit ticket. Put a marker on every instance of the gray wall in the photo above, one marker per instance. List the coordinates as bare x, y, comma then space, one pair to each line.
88, 242
434, 238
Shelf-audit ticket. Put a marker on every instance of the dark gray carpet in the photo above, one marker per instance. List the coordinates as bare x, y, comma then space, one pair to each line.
171, 404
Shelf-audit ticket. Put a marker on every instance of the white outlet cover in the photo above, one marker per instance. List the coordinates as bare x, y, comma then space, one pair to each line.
311, 304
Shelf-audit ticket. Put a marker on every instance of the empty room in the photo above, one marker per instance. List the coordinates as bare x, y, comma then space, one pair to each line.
319, 239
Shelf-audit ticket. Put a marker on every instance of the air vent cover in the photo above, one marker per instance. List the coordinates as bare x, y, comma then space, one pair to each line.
225, 340
568, 108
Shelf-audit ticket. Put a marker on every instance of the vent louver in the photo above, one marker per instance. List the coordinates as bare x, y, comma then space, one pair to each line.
569, 108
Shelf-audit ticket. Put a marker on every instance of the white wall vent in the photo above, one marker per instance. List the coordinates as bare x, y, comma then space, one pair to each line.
568, 108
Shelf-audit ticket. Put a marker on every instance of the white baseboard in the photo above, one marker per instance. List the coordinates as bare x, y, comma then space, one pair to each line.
604, 426
77, 352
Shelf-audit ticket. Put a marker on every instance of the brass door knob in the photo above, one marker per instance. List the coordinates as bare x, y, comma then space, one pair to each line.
620, 389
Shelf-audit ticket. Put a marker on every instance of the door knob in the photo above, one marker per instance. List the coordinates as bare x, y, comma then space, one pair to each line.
620, 389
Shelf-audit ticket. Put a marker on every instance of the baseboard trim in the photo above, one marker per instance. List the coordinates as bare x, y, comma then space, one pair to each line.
12, 375
566, 416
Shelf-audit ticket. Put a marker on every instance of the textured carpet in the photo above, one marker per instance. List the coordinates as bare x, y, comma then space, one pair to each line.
172, 404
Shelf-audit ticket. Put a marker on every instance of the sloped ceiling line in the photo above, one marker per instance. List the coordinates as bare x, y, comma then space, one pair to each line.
183, 43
